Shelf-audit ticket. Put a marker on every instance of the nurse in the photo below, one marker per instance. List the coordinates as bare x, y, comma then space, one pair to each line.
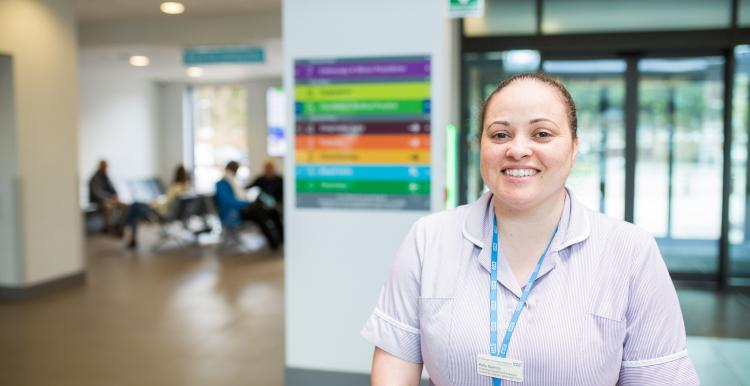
526, 286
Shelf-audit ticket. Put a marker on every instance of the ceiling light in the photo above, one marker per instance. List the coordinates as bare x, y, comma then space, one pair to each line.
139, 61
194, 72
172, 7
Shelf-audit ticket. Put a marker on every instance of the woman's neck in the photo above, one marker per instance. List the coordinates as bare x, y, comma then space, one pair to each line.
536, 222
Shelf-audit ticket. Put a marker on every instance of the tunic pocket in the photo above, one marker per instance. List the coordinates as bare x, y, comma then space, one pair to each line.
602, 345
606, 333
435, 316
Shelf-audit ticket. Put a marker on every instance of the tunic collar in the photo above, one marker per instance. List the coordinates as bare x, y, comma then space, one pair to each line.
574, 228
477, 227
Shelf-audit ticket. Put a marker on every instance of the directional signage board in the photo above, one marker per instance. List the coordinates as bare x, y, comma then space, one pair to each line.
215, 55
362, 136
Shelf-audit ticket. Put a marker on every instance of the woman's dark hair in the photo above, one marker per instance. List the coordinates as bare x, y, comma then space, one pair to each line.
180, 175
570, 105
232, 166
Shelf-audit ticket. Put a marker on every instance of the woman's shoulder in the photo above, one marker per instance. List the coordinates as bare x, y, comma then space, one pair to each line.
621, 242
447, 218
624, 230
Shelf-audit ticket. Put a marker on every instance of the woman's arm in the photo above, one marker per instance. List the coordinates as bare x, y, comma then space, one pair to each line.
388, 370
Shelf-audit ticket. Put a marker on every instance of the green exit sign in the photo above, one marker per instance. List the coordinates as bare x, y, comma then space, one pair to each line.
461, 8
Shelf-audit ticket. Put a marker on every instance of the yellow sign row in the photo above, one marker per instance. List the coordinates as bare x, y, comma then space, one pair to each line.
362, 91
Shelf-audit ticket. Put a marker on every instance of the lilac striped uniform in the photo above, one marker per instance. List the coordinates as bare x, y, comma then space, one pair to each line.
603, 310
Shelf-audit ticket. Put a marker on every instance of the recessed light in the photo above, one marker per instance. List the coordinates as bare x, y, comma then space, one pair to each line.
194, 72
172, 7
139, 61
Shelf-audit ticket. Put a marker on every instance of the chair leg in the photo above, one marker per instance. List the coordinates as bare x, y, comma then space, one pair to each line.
165, 236
231, 239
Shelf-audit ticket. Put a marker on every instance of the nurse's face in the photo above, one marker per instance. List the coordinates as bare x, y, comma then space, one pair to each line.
527, 149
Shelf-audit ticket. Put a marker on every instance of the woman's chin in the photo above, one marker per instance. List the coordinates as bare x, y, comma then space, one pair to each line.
514, 202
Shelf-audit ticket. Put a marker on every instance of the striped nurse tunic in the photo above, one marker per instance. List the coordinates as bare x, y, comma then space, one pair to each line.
603, 310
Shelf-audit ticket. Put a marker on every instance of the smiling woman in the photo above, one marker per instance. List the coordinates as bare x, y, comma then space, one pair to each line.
528, 145
528, 261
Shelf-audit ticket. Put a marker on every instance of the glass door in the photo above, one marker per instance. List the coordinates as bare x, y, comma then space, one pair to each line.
679, 159
598, 88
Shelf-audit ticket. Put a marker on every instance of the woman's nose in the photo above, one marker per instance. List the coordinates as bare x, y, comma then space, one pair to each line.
518, 148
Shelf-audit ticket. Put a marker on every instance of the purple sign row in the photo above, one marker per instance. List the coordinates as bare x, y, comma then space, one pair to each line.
354, 70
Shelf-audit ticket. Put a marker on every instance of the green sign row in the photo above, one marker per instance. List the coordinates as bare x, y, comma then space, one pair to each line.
384, 107
371, 187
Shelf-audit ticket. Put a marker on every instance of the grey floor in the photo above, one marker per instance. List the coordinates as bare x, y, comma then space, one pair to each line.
196, 317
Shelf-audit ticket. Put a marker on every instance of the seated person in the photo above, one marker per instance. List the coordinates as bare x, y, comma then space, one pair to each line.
165, 206
103, 194
271, 186
270, 182
180, 197
233, 208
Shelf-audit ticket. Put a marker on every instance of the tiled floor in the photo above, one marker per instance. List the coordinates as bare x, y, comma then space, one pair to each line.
191, 317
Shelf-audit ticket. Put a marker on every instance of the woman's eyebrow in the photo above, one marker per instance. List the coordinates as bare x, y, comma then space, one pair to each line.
536, 120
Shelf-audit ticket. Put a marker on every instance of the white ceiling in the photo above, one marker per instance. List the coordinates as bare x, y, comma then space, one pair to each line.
166, 58
108, 10
166, 64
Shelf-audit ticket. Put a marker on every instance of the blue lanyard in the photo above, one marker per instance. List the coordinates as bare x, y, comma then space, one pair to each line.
503, 350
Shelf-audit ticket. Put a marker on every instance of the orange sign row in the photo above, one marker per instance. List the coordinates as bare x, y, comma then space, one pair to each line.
344, 142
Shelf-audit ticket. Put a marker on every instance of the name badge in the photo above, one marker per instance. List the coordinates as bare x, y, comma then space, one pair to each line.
503, 368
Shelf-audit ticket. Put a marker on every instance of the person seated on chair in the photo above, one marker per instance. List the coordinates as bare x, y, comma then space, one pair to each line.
271, 186
136, 213
103, 194
234, 209
179, 190
270, 182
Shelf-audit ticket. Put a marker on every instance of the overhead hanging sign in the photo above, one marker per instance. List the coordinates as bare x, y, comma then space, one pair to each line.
363, 133
462, 8
216, 55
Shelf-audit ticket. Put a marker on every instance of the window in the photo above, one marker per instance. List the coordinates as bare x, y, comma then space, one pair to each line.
220, 133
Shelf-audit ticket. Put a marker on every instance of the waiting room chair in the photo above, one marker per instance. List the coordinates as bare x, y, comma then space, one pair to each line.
232, 228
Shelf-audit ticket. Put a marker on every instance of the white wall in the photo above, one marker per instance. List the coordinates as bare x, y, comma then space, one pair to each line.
337, 260
40, 35
172, 117
118, 122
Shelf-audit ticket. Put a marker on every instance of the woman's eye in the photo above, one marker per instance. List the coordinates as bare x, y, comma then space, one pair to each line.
543, 134
499, 135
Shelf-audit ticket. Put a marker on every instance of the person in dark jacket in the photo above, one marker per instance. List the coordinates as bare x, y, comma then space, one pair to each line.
103, 194
270, 182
